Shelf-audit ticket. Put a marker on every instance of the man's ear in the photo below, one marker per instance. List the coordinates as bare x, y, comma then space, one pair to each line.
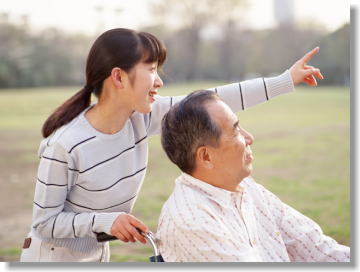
117, 77
203, 158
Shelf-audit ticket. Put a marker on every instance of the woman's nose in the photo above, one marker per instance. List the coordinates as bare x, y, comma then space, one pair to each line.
158, 82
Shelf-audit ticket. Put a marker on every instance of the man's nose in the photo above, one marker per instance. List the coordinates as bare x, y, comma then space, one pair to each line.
158, 82
249, 139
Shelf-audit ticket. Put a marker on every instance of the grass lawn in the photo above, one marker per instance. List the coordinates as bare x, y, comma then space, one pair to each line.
301, 150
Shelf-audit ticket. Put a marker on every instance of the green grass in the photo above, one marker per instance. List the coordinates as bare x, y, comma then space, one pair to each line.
301, 154
9, 254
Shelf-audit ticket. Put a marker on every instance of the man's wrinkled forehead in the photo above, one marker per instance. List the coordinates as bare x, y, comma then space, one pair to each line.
221, 114
234, 118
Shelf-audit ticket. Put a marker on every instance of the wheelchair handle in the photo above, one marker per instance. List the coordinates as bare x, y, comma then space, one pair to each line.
150, 237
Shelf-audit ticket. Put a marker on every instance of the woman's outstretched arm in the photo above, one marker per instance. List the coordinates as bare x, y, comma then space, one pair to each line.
242, 95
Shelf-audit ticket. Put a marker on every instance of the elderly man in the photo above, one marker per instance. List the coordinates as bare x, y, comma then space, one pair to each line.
216, 211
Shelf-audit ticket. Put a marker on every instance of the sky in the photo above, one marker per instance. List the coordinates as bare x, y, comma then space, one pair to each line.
85, 15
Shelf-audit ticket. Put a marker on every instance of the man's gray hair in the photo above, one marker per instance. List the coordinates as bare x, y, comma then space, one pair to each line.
187, 126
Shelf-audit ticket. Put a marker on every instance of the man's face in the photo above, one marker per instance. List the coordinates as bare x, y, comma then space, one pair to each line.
232, 159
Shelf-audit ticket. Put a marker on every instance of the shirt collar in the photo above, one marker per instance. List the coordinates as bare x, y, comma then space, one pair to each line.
218, 194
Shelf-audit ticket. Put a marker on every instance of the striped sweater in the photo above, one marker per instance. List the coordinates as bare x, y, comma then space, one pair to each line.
87, 178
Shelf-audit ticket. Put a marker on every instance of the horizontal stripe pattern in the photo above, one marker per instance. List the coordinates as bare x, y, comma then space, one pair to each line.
265, 89
51, 184
53, 228
107, 188
241, 97
100, 163
111, 158
48, 207
73, 225
149, 121
53, 159
84, 141
100, 209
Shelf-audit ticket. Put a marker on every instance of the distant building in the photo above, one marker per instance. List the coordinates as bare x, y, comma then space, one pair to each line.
284, 12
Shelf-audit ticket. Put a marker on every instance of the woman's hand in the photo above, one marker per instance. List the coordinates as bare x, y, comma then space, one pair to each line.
124, 228
301, 72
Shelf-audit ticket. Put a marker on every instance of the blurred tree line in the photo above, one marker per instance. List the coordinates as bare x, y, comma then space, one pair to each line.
48, 58
230, 53
243, 54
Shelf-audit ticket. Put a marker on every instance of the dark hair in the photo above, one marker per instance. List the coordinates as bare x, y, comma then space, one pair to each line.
119, 47
188, 126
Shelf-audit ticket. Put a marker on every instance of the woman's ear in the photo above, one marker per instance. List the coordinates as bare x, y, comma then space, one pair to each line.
203, 158
117, 77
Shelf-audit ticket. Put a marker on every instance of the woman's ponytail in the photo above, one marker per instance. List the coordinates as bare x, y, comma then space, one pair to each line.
67, 111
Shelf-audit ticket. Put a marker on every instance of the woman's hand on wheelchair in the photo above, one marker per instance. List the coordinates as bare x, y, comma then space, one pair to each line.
125, 228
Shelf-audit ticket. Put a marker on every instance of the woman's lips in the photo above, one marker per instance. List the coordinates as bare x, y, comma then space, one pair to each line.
152, 95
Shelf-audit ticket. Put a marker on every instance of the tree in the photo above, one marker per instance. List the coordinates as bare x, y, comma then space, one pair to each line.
192, 17
335, 56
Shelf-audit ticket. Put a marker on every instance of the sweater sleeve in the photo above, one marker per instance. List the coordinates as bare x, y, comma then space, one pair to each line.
55, 178
239, 96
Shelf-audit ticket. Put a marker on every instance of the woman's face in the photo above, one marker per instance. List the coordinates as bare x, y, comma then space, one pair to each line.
145, 83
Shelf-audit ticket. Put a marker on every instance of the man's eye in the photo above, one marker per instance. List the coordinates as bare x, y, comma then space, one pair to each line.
237, 130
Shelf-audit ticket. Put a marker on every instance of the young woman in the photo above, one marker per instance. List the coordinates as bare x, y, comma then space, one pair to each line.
94, 157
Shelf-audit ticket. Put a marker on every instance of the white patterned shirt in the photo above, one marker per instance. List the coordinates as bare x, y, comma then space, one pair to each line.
203, 223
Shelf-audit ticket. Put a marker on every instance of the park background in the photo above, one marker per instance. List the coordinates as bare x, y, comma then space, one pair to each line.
302, 140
